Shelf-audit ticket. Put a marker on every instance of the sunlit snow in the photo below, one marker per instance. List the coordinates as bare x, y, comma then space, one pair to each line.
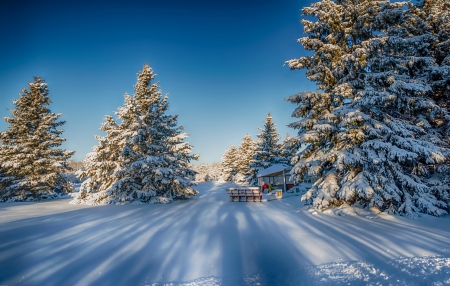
209, 240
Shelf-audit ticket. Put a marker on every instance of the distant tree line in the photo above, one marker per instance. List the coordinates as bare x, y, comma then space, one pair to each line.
207, 172
242, 164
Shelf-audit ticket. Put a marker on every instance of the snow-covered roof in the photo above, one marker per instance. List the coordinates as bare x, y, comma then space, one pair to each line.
273, 170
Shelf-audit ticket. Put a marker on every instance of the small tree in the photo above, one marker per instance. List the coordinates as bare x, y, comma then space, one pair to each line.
143, 157
267, 151
290, 148
229, 164
244, 159
31, 161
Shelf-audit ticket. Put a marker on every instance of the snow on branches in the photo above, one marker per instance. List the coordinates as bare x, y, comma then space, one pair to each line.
143, 157
375, 134
31, 164
236, 161
267, 152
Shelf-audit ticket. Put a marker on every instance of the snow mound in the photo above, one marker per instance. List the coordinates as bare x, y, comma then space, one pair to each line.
423, 270
346, 210
355, 210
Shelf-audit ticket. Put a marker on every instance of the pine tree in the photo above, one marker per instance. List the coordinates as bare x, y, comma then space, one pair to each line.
228, 164
202, 172
267, 151
244, 159
31, 162
371, 134
289, 148
206, 172
437, 15
6, 182
143, 157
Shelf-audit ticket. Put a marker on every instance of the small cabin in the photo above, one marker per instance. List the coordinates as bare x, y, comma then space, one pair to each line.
277, 176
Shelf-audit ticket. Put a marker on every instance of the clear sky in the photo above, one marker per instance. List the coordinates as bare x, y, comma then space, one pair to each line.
221, 62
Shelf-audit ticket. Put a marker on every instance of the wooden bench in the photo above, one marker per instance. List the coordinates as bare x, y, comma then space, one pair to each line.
245, 194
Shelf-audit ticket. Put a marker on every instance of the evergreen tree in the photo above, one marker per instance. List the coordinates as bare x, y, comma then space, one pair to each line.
437, 15
244, 159
31, 162
202, 173
207, 172
267, 151
290, 148
371, 134
6, 182
229, 164
214, 171
143, 157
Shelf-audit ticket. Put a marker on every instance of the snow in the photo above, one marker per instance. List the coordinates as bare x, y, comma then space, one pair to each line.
379, 110
274, 169
209, 240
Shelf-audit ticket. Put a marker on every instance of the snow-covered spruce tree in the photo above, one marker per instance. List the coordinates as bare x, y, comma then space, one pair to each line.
143, 157
31, 162
290, 148
437, 15
267, 151
245, 154
5, 180
229, 164
371, 134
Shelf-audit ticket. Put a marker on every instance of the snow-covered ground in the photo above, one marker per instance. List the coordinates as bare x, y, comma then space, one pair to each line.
210, 240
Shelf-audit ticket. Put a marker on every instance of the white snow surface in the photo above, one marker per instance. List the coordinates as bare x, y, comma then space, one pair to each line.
274, 169
209, 240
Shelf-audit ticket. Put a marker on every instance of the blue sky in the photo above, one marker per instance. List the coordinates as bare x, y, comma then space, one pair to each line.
221, 62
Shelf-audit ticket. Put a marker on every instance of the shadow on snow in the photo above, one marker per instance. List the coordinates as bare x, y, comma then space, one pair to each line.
207, 236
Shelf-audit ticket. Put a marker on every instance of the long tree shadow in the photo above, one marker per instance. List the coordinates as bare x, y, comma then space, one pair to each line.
207, 236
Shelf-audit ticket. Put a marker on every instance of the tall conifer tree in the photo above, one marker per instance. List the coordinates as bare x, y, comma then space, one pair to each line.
267, 151
143, 157
244, 159
437, 16
289, 148
31, 162
372, 134
229, 164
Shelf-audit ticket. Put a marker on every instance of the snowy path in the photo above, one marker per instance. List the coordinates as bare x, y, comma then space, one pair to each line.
209, 240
